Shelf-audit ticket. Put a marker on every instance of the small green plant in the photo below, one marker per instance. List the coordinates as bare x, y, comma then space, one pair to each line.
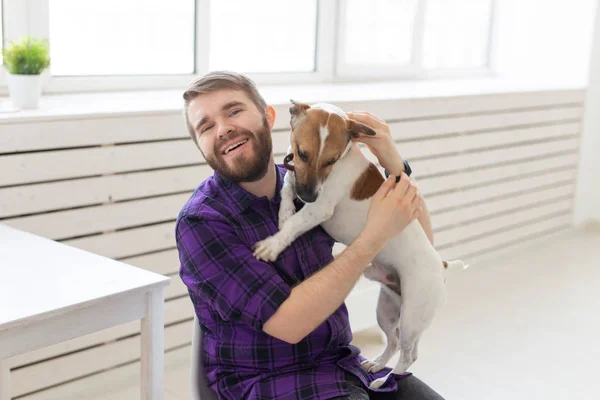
28, 56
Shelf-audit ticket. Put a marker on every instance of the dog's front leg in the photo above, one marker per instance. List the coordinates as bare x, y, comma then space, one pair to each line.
311, 215
288, 193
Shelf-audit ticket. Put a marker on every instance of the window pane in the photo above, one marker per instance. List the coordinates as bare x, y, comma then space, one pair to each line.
379, 32
122, 37
263, 35
456, 33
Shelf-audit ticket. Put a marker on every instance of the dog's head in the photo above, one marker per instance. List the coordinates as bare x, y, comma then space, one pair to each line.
321, 136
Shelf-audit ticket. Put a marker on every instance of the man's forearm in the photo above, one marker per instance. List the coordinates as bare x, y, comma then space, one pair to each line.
315, 299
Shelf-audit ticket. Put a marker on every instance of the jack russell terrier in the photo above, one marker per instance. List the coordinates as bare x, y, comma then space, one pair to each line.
336, 181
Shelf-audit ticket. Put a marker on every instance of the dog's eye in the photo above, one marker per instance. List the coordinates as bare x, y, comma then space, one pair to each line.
331, 162
303, 156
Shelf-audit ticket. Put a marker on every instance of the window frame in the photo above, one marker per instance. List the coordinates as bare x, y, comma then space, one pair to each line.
31, 17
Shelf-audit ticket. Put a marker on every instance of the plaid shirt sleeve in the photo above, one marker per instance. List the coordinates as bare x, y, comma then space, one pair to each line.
218, 268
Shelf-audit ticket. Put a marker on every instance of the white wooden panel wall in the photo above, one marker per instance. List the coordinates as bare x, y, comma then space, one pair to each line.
495, 170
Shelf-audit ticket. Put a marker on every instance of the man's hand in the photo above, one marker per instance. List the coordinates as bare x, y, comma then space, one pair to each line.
393, 207
381, 145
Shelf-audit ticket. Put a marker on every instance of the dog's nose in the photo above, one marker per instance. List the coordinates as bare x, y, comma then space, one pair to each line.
308, 197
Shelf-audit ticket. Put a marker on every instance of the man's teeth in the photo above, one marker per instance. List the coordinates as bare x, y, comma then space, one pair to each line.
233, 146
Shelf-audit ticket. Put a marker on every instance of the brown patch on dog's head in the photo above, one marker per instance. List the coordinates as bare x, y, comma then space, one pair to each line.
318, 140
445, 264
369, 182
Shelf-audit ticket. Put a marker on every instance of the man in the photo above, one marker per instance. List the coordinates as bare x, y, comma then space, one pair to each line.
277, 330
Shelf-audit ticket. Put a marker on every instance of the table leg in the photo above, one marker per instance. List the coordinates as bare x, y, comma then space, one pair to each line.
153, 337
4, 380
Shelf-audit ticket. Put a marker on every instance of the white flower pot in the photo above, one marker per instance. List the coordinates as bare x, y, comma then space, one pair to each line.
25, 90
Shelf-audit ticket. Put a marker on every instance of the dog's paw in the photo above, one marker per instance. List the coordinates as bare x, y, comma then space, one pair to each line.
268, 249
373, 366
377, 383
286, 211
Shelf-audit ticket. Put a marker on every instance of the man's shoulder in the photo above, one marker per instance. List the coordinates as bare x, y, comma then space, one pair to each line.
204, 202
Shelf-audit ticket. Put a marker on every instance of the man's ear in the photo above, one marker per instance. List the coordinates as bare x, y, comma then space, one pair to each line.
297, 110
270, 114
355, 129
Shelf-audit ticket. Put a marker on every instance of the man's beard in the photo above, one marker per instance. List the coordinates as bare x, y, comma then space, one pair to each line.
245, 169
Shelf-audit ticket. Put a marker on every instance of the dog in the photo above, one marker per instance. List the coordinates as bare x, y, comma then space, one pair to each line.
335, 180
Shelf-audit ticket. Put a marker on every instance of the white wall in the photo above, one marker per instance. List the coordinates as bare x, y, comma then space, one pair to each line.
543, 39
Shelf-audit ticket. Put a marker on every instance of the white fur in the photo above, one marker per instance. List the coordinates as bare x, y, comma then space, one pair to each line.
409, 254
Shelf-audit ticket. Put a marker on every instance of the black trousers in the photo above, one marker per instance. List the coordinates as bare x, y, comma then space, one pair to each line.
409, 388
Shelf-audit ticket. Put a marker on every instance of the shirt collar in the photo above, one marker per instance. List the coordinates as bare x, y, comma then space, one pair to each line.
240, 199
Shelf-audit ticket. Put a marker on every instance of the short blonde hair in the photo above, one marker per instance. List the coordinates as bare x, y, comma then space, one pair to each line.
218, 80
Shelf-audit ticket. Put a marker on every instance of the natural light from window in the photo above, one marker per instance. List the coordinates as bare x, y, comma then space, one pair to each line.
263, 36
122, 37
379, 32
456, 33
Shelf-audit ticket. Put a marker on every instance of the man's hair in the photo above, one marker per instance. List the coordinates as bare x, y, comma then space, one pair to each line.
218, 80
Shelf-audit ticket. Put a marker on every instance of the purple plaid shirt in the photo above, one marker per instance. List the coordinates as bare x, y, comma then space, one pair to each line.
234, 295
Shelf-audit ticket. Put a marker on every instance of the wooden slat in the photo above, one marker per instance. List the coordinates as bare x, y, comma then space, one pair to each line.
456, 217
412, 130
61, 369
414, 108
491, 157
130, 242
468, 197
64, 164
176, 310
21, 200
477, 142
163, 262
94, 131
507, 238
471, 231
90, 220
177, 289
120, 383
458, 180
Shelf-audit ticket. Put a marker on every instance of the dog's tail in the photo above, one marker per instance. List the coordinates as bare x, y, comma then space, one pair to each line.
455, 265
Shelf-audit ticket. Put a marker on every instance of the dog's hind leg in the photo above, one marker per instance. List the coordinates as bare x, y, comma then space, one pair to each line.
415, 318
388, 316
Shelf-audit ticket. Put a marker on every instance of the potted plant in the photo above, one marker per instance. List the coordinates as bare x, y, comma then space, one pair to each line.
25, 60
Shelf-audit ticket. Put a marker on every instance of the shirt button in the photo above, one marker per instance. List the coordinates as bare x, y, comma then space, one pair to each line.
303, 258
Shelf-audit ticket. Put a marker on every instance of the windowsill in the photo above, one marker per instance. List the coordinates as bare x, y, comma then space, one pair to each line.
60, 106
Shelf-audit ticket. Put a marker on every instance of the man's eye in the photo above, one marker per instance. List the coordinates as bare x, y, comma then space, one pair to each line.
235, 112
206, 128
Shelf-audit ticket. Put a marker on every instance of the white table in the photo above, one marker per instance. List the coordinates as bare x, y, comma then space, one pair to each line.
50, 292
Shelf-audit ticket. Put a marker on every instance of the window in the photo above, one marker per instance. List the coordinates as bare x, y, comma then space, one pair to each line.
408, 38
378, 32
164, 44
263, 36
121, 37
456, 34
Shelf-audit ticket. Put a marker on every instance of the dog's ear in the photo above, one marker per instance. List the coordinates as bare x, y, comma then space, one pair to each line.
297, 110
355, 129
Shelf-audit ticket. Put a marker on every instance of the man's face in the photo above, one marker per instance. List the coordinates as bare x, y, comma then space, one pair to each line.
233, 135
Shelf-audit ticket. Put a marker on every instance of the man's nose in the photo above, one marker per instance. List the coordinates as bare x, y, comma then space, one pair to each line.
225, 130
